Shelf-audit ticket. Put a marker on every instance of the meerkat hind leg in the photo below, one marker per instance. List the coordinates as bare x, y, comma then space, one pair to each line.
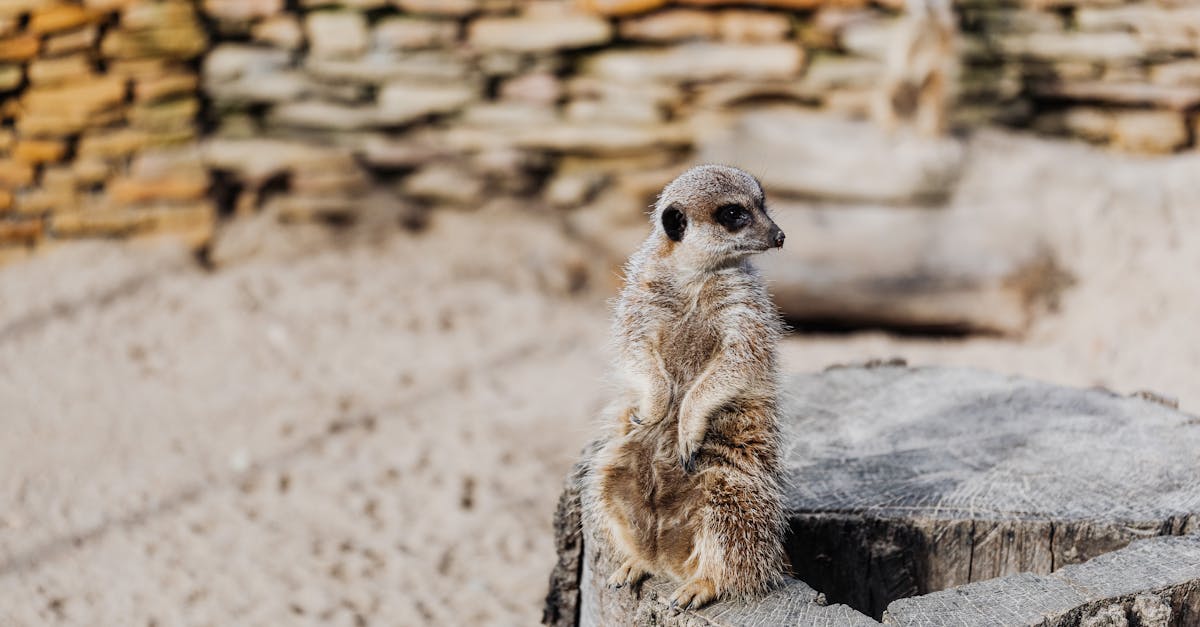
629, 573
694, 594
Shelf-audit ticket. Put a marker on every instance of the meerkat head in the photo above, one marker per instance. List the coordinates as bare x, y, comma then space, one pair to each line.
713, 215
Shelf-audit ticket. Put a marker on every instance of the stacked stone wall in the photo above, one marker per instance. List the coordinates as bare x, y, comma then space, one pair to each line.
130, 117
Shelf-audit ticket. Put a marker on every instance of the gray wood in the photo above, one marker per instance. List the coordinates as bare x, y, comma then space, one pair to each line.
964, 269
955, 497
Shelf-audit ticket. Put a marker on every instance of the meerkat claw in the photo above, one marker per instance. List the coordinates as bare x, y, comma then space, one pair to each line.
693, 595
688, 463
627, 574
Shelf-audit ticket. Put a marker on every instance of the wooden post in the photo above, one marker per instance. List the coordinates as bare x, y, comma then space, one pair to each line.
945, 496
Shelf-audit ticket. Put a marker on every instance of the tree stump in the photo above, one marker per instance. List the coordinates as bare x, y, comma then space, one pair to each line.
947, 496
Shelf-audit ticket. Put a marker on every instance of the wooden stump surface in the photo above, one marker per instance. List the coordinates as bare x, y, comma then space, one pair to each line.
951, 496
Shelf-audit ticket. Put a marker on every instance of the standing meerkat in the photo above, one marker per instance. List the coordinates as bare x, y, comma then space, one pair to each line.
687, 483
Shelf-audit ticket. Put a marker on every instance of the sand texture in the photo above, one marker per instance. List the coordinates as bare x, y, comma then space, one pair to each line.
372, 426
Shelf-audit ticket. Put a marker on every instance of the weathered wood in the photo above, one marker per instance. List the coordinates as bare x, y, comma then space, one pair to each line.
959, 497
562, 602
963, 269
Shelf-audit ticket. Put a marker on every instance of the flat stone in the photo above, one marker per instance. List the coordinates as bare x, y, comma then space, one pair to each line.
449, 8
73, 41
25, 232
160, 87
258, 159
411, 150
165, 116
716, 97
539, 88
11, 76
1164, 29
55, 70
753, 26
621, 7
445, 182
334, 34
660, 94
1178, 73
397, 104
17, 8
177, 42
579, 138
39, 151
79, 98
280, 31
129, 190
243, 10
633, 112
39, 201
779, 4
538, 34
317, 114
157, 15
699, 62
507, 114
434, 66
98, 222
406, 33
670, 25
139, 69
1154, 132
1100, 47
276, 86
15, 173
111, 144
19, 48
402, 102
59, 17
871, 38
823, 156
827, 73
230, 60
1090, 123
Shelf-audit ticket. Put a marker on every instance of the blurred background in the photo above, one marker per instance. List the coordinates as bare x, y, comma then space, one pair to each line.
304, 303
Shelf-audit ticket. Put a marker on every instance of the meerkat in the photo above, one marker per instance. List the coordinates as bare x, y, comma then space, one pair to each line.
921, 69
687, 483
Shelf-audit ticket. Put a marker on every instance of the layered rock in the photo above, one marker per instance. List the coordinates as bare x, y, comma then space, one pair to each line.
537, 100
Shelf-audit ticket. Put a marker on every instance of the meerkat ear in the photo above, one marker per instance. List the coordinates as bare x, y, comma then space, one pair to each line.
674, 223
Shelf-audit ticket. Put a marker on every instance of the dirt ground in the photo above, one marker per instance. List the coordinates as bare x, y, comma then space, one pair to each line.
372, 427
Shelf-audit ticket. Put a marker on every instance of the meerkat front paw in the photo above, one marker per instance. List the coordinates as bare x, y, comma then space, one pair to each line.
627, 574
689, 451
694, 594
648, 413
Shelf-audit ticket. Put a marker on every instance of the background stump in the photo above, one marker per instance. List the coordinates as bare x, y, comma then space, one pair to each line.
955, 497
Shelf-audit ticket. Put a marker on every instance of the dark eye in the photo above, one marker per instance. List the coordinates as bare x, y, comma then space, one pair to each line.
732, 217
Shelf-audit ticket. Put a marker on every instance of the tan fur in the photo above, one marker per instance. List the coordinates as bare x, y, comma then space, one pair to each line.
687, 482
922, 69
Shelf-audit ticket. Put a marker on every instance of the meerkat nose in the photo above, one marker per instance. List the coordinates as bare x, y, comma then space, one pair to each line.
779, 238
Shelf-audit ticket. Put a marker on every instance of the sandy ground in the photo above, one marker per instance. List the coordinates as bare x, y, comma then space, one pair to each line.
372, 428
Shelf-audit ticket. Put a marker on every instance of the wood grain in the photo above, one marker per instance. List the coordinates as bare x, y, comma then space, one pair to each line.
947, 496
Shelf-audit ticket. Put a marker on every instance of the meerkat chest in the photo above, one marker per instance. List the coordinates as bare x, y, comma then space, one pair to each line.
689, 338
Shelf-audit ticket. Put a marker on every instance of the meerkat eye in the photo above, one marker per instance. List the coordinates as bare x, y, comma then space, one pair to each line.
732, 217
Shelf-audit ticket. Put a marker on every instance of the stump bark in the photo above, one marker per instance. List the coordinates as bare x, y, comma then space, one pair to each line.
940, 496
